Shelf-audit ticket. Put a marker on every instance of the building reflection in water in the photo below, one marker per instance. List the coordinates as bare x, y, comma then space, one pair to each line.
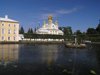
49, 54
8, 53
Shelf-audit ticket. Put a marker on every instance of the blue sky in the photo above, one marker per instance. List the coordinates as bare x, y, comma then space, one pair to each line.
79, 14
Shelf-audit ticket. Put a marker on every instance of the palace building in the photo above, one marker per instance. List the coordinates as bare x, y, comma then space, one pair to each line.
9, 29
50, 28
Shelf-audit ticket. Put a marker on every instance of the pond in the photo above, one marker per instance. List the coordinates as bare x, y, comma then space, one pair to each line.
50, 59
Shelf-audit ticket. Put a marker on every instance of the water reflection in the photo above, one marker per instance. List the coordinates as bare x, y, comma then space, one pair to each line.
49, 54
8, 53
49, 60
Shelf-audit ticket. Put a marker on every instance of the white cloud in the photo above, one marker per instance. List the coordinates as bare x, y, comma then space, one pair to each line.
56, 13
63, 11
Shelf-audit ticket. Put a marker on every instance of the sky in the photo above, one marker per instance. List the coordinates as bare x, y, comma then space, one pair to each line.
78, 14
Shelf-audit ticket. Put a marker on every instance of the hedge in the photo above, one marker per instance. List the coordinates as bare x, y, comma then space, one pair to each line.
42, 36
91, 37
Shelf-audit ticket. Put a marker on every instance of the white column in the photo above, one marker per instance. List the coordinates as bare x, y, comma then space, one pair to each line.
17, 32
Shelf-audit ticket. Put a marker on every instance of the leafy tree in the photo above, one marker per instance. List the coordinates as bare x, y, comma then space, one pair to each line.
78, 32
67, 30
98, 28
21, 31
60, 28
91, 31
83, 33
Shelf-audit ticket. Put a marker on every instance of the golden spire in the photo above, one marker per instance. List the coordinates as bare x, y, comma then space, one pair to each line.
50, 17
50, 13
56, 23
44, 22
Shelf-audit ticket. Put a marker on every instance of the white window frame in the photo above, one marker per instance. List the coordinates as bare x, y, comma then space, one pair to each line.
4, 31
9, 32
14, 38
14, 25
9, 25
3, 24
14, 31
8, 38
3, 37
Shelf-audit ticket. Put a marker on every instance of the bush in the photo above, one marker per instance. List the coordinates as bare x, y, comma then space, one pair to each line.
42, 36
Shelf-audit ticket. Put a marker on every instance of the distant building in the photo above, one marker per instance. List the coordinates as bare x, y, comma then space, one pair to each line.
9, 29
50, 28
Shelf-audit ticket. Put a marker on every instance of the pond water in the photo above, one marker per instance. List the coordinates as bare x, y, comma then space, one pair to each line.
50, 59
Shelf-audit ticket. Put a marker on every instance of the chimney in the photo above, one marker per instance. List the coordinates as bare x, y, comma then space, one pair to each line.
6, 16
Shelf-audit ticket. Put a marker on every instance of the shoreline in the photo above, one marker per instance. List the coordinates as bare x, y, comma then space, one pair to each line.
42, 42
35, 42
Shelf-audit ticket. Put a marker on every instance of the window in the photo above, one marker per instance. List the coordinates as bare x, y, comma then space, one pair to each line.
3, 24
14, 31
9, 25
3, 31
9, 31
3, 38
14, 25
14, 38
8, 37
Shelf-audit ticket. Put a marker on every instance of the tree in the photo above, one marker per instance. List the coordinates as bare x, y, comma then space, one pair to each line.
31, 30
98, 28
67, 30
21, 31
83, 33
35, 29
60, 28
91, 31
78, 32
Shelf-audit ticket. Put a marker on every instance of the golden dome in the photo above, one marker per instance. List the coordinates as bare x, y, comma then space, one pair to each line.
50, 17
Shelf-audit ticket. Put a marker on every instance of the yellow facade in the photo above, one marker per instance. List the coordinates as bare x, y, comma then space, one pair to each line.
9, 31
